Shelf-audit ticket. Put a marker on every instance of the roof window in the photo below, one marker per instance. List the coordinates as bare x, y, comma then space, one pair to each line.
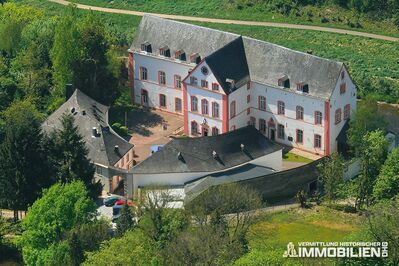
146, 47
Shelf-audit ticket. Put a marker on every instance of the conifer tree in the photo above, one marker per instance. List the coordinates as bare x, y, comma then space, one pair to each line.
125, 222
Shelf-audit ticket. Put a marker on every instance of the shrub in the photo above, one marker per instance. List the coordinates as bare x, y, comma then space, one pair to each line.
119, 129
324, 20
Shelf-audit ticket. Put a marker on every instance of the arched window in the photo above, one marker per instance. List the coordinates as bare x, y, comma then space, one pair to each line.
194, 128
204, 106
194, 104
262, 103
338, 113
215, 109
232, 109
318, 118
280, 107
299, 112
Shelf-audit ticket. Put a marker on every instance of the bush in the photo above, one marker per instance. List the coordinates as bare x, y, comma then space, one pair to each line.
324, 20
119, 129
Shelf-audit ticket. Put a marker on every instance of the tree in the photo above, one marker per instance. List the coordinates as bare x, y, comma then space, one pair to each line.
373, 154
331, 172
301, 197
23, 163
383, 224
61, 208
125, 222
387, 184
366, 119
75, 249
68, 153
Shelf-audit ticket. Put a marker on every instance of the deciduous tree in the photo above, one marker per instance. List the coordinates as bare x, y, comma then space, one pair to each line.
331, 172
387, 184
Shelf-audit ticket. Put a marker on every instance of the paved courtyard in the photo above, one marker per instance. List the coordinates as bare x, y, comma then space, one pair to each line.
152, 127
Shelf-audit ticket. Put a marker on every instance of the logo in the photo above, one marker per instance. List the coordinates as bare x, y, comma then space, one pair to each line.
337, 250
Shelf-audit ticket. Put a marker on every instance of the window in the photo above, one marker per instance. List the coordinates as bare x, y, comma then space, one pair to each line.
146, 47
347, 111
248, 85
161, 78
338, 116
194, 104
162, 100
204, 70
195, 58
299, 112
215, 86
262, 126
252, 121
262, 103
181, 55
194, 128
299, 136
215, 109
284, 82
342, 88
248, 98
302, 87
280, 131
318, 118
248, 111
232, 109
177, 104
193, 81
143, 73
164, 51
204, 106
280, 107
204, 83
317, 141
127, 157
215, 131
177, 82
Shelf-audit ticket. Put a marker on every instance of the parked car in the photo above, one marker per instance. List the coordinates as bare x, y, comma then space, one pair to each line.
122, 202
116, 212
111, 200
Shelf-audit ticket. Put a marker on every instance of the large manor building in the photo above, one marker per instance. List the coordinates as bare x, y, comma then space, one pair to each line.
219, 82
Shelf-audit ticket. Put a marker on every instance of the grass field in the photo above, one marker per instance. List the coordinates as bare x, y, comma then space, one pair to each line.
291, 157
332, 16
373, 64
268, 238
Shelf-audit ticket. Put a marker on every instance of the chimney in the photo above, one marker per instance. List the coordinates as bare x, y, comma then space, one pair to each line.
242, 146
116, 148
68, 91
231, 82
180, 157
214, 155
94, 132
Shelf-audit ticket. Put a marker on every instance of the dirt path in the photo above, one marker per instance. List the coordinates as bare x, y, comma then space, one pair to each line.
228, 21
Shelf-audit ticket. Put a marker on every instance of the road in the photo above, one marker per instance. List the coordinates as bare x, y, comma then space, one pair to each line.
229, 21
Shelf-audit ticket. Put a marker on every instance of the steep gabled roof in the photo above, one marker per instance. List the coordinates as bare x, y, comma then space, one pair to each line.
230, 62
266, 62
179, 36
88, 113
196, 153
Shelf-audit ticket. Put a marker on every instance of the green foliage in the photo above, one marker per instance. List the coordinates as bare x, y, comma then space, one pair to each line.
68, 154
125, 222
331, 172
366, 119
61, 208
75, 249
302, 197
387, 184
372, 156
119, 129
23, 168
134, 248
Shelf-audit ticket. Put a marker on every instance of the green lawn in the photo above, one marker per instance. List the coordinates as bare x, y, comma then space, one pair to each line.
332, 16
268, 238
373, 64
291, 157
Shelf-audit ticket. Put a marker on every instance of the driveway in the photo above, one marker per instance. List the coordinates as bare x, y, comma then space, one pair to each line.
229, 21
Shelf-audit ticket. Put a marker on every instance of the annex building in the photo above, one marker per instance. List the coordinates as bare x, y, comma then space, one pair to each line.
219, 82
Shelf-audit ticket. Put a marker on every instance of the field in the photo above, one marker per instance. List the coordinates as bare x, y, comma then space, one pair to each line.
328, 16
268, 238
291, 157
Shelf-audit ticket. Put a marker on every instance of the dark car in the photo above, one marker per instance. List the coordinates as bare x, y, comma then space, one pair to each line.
116, 212
111, 200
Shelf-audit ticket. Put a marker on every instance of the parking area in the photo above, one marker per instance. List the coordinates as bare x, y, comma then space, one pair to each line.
152, 127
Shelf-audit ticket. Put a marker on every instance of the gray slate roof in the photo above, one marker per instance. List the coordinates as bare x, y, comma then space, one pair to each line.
88, 113
230, 62
197, 153
267, 62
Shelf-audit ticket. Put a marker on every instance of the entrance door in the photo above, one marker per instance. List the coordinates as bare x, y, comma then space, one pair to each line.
144, 97
204, 132
272, 134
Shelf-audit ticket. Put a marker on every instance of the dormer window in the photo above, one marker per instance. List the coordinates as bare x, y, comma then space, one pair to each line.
195, 58
164, 51
284, 81
181, 55
146, 47
302, 87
